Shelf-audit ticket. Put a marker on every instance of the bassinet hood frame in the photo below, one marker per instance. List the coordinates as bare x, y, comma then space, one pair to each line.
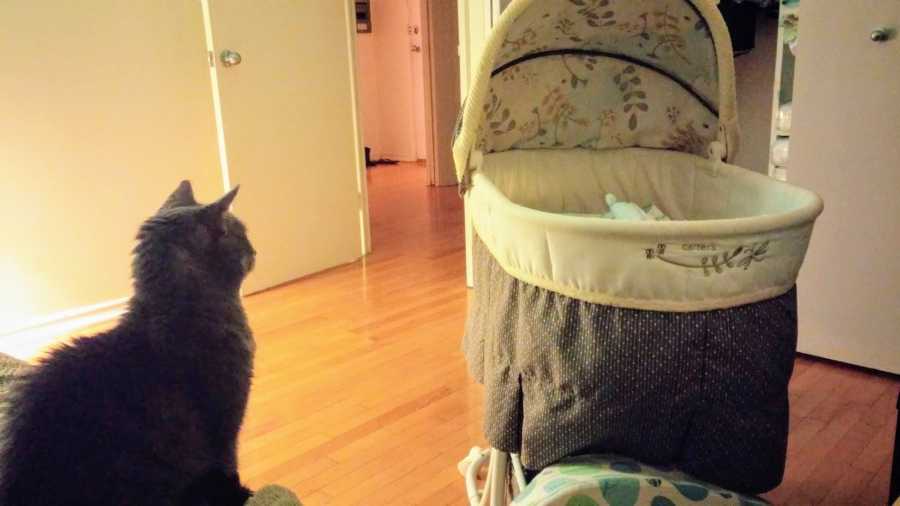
474, 115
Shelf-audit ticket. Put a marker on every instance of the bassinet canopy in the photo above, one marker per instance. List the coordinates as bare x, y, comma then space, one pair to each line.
602, 74
576, 98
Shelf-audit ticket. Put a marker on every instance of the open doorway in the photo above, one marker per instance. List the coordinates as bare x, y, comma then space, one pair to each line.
408, 84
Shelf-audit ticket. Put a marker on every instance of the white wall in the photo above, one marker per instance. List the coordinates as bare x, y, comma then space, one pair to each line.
106, 106
755, 77
105, 109
473, 32
444, 77
386, 82
367, 77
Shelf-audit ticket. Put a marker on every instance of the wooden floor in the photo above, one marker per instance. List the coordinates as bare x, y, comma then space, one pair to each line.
361, 394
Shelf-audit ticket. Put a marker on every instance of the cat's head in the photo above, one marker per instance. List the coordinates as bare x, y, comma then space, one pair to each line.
193, 245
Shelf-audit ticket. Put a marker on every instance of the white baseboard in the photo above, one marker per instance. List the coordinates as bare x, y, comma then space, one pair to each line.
30, 339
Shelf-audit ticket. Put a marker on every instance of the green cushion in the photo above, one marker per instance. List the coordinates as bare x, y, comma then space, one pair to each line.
610, 480
9, 368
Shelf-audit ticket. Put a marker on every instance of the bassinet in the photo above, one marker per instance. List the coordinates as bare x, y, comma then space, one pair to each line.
668, 341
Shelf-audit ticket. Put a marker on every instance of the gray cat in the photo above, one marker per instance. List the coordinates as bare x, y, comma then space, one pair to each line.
147, 413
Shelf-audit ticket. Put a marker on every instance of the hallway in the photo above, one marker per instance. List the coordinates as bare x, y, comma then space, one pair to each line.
361, 394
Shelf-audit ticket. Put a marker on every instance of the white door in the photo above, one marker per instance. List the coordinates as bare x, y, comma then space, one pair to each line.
104, 107
289, 117
416, 52
844, 145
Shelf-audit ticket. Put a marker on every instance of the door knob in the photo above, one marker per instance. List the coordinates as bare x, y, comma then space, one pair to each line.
230, 58
882, 34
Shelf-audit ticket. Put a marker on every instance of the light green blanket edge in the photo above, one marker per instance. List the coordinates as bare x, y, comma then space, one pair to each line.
273, 495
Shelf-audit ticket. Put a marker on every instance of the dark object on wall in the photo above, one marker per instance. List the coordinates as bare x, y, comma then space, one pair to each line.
894, 493
363, 16
740, 17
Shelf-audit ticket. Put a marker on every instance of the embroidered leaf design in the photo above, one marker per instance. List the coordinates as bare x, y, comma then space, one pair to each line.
632, 122
642, 106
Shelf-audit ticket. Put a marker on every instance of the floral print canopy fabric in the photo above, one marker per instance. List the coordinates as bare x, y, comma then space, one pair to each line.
606, 74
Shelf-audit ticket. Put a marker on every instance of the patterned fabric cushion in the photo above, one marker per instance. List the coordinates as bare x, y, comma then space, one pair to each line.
609, 480
9, 369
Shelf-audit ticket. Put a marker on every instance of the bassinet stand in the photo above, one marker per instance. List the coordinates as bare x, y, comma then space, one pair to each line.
505, 477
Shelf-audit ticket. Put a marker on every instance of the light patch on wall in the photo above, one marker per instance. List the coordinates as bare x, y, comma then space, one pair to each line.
16, 296
28, 339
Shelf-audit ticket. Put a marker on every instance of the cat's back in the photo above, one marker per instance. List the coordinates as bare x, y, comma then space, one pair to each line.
83, 372
64, 414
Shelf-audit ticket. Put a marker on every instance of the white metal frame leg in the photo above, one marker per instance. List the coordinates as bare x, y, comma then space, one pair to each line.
498, 478
504, 480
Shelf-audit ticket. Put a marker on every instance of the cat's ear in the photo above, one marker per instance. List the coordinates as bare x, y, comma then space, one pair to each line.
183, 196
222, 205
213, 212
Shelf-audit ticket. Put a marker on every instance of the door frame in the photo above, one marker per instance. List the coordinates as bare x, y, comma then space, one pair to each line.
361, 181
439, 170
430, 149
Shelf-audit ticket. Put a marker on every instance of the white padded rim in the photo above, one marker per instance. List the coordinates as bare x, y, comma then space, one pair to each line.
607, 261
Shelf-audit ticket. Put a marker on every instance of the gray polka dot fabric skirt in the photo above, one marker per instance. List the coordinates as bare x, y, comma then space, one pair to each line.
705, 392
